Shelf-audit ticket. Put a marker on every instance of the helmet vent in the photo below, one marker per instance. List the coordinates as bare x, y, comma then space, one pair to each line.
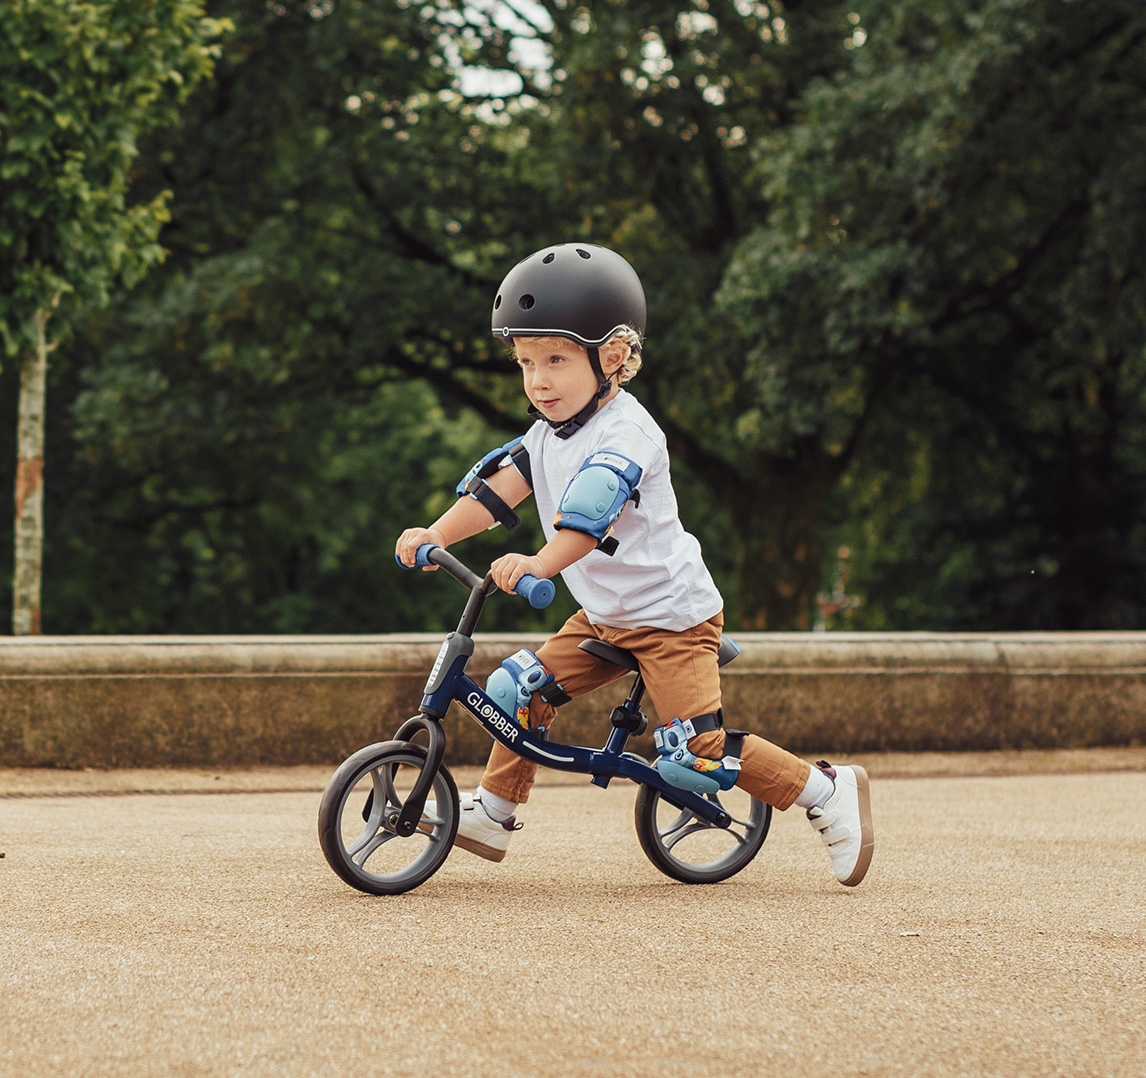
526, 301
583, 254
549, 258
497, 303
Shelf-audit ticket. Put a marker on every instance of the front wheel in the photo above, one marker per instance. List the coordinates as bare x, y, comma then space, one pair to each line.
688, 848
360, 808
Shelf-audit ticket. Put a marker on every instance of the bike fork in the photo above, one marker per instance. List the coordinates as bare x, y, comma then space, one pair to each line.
415, 804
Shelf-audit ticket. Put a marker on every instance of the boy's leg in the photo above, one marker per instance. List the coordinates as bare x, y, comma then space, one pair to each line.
683, 680
681, 672
768, 772
509, 776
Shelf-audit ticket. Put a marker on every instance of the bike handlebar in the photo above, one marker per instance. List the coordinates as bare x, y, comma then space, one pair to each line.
538, 592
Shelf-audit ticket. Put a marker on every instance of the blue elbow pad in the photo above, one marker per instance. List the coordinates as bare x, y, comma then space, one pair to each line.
474, 482
596, 496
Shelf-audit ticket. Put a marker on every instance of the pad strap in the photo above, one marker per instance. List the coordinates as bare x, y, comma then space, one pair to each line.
554, 695
520, 457
474, 484
734, 743
478, 489
733, 739
710, 720
714, 720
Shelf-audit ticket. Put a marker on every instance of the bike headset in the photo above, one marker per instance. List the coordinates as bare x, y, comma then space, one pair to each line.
580, 291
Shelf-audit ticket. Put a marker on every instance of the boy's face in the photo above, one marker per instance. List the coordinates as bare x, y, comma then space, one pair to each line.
559, 380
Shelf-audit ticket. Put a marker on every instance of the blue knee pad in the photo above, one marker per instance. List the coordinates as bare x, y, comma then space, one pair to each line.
686, 770
513, 683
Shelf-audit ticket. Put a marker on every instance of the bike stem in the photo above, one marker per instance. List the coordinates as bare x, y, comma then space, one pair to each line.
479, 592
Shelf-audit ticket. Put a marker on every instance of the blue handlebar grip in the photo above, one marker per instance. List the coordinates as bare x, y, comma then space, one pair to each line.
538, 592
420, 559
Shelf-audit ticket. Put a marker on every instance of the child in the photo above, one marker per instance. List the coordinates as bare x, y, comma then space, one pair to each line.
597, 464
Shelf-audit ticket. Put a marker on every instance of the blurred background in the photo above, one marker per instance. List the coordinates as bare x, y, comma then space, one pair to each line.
894, 253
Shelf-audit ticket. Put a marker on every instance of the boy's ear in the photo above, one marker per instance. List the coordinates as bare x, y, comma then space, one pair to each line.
613, 355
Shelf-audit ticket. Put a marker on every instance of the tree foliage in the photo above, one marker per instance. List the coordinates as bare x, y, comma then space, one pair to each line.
80, 82
951, 277
247, 425
893, 261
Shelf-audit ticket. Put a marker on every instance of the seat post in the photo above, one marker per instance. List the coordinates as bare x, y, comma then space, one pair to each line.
636, 694
626, 719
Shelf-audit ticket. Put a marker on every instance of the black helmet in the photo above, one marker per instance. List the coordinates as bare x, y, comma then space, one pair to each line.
575, 290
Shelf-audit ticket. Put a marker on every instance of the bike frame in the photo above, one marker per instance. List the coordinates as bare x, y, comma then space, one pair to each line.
448, 682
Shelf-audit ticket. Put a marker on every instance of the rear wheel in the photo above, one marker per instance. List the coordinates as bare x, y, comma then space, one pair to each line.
360, 808
690, 849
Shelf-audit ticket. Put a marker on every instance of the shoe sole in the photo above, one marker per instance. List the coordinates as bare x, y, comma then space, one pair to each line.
867, 832
481, 849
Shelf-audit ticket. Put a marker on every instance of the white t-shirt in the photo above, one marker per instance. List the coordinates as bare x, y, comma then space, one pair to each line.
657, 577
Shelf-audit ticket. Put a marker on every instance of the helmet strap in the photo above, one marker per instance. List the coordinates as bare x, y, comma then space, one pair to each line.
566, 428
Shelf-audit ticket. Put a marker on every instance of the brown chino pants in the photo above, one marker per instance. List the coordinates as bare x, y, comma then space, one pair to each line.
683, 681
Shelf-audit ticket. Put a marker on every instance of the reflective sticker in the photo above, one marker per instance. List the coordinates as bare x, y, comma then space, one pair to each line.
437, 666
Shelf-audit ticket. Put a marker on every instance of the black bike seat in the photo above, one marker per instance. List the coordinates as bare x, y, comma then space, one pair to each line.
616, 656
621, 657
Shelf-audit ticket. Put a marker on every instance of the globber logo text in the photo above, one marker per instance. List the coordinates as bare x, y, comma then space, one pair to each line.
494, 716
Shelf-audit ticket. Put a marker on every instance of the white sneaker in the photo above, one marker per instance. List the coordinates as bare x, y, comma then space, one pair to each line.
481, 835
844, 823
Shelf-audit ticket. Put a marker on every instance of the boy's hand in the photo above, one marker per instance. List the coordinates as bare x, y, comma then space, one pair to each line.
510, 568
408, 542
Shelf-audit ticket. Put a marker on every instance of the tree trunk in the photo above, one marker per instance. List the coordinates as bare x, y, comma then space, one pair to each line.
777, 510
29, 542
779, 519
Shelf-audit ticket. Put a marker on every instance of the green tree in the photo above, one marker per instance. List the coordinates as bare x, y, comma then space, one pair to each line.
245, 435
846, 230
949, 310
320, 174
79, 82
636, 131
336, 153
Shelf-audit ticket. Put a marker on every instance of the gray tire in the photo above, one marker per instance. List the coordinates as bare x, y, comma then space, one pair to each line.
361, 802
689, 849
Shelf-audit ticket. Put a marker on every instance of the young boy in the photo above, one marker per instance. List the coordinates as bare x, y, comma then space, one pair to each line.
597, 464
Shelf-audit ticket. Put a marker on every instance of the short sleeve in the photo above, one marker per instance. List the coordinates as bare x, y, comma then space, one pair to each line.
629, 440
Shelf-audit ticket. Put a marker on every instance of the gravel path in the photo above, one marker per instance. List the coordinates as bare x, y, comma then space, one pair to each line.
1002, 931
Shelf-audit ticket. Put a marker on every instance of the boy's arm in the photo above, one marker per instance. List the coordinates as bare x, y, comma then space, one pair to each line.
560, 552
593, 501
464, 518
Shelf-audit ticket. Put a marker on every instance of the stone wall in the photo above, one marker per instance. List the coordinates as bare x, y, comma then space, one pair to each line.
238, 701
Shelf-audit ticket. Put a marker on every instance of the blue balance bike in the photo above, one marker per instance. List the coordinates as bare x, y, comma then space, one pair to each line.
390, 812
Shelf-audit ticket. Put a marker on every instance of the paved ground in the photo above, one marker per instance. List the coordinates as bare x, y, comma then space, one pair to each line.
1002, 931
